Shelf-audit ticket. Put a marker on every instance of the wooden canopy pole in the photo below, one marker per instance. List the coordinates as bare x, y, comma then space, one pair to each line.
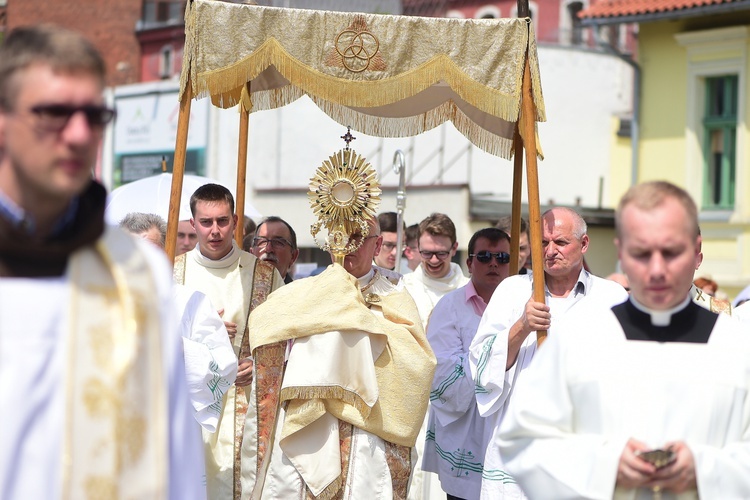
528, 120
242, 173
178, 170
528, 132
515, 219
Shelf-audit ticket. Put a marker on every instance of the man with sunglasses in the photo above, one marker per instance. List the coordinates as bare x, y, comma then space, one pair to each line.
90, 358
436, 275
276, 242
457, 435
505, 342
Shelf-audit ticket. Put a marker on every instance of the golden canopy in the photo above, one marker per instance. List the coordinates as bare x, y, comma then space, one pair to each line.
387, 76
384, 75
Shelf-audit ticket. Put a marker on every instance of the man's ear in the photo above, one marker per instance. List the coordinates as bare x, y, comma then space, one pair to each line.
295, 254
192, 223
454, 248
698, 253
584, 243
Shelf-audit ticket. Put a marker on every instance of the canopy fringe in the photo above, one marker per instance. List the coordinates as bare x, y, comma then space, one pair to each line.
225, 84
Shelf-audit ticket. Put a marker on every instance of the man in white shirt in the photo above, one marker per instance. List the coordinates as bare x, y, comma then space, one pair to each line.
646, 398
92, 382
436, 275
457, 435
505, 342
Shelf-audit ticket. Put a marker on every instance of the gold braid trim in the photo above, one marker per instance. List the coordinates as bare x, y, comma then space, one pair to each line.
262, 286
310, 394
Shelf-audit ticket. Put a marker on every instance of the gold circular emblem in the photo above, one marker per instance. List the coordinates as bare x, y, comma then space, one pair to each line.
356, 48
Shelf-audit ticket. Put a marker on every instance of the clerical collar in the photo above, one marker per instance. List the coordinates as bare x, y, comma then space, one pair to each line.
364, 280
228, 256
228, 260
660, 317
688, 323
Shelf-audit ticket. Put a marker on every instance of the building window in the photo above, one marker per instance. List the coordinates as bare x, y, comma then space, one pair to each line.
488, 12
720, 131
163, 11
576, 31
166, 62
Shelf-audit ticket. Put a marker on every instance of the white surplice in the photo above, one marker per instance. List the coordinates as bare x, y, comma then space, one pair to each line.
426, 292
34, 315
228, 283
591, 389
489, 354
457, 434
210, 363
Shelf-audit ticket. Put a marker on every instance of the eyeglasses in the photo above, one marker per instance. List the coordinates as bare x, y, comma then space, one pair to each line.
55, 117
389, 246
442, 255
486, 256
357, 239
276, 243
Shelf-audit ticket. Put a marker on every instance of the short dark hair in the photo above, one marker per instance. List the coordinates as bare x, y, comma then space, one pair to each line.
274, 218
248, 226
438, 224
492, 234
389, 222
211, 193
63, 50
506, 224
247, 242
411, 235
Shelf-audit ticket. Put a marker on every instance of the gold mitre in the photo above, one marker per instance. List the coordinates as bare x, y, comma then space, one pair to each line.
344, 194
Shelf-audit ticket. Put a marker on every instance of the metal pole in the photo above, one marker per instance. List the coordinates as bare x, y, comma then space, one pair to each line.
399, 167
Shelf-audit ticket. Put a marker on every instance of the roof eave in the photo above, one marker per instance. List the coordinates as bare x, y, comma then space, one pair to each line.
668, 15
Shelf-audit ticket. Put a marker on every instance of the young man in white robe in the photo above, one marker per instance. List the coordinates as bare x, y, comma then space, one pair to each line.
341, 415
92, 383
457, 434
645, 399
505, 343
236, 282
436, 275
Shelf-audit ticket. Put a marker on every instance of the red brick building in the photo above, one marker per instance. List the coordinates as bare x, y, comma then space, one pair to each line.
109, 24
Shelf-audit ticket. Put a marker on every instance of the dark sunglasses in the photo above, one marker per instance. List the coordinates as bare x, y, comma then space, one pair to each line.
486, 256
56, 116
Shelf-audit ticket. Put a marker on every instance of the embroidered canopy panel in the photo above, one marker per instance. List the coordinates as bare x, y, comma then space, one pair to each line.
384, 75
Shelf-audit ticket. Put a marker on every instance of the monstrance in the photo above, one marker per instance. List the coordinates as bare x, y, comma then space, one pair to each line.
344, 194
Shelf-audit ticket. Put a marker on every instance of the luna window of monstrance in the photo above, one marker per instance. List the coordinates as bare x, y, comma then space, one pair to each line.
344, 194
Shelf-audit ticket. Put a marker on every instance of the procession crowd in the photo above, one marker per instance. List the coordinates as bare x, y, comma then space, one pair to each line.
218, 375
